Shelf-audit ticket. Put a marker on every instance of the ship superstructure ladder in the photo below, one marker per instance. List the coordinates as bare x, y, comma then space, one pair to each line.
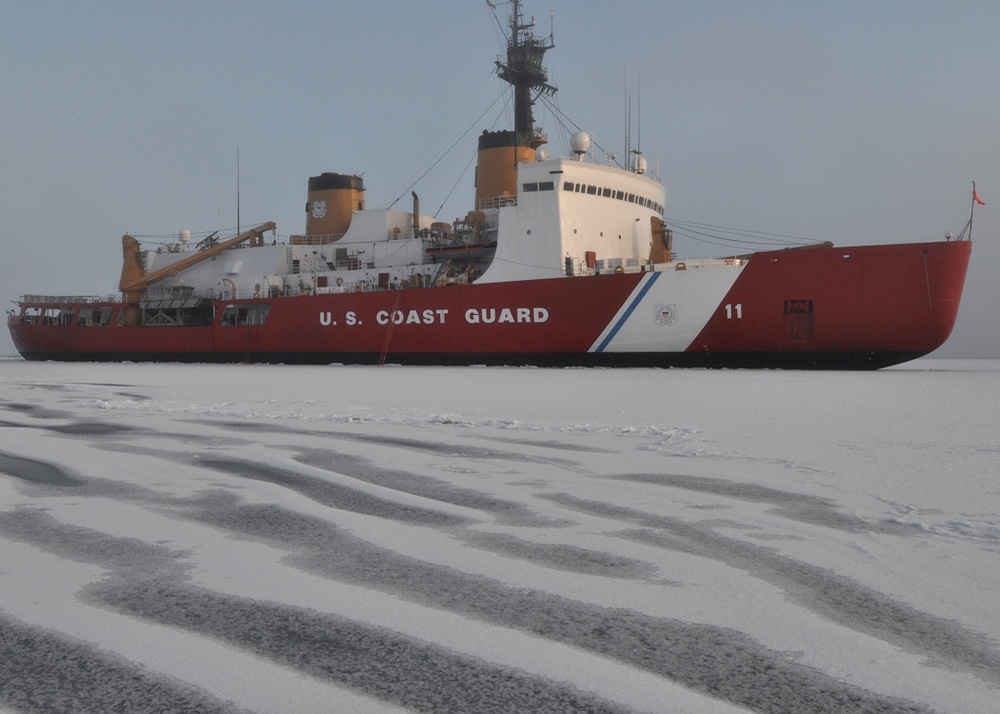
388, 329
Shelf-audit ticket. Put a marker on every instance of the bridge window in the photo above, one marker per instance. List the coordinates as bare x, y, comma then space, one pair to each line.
604, 191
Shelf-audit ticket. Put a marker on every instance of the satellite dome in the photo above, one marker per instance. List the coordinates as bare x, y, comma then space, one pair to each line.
184, 235
580, 143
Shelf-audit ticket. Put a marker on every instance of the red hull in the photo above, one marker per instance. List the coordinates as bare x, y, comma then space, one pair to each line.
889, 297
860, 307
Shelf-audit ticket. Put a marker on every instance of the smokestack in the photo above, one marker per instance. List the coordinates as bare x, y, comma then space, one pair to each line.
416, 213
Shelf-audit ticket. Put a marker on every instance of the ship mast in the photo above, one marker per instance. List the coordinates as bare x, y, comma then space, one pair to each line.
524, 71
501, 151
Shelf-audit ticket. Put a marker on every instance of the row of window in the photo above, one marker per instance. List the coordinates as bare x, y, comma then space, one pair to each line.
592, 190
542, 186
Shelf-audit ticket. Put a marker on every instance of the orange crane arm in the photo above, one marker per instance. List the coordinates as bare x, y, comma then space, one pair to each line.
135, 280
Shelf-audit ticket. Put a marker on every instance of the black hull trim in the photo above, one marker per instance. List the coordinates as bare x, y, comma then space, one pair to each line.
697, 360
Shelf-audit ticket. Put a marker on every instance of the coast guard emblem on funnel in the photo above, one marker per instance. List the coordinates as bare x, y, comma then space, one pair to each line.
665, 315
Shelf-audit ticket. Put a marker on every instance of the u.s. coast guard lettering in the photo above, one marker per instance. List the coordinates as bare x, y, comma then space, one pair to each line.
439, 316
412, 317
489, 315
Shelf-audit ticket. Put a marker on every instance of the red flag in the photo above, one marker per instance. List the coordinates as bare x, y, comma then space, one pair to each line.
977, 199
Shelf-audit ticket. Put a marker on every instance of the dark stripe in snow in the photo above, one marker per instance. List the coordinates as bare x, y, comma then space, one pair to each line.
41, 672
801, 507
716, 661
332, 494
35, 471
90, 428
146, 581
362, 469
464, 451
840, 599
559, 556
375, 661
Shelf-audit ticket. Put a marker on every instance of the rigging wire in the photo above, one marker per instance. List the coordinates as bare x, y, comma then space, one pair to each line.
734, 238
499, 29
455, 185
445, 154
752, 236
559, 115
474, 154
501, 37
431, 146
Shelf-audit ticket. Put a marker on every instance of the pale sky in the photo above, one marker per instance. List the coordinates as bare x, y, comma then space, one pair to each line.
856, 122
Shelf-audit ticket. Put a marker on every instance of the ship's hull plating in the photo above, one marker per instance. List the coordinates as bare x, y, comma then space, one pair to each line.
824, 308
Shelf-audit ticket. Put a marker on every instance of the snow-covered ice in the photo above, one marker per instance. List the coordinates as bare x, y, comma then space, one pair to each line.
357, 539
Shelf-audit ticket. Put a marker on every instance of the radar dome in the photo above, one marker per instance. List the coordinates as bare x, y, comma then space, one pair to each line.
184, 235
580, 143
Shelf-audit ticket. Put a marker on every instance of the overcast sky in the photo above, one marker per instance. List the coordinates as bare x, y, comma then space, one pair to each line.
856, 122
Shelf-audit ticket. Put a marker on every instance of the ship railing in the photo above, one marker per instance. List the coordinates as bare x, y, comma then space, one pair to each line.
69, 299
575, 267
703, 263
486, 204
320, 239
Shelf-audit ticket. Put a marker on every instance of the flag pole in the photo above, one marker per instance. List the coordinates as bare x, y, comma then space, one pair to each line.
972, 212
975, 199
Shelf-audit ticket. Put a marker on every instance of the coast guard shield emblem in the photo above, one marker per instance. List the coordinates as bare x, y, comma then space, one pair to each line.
665, 314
